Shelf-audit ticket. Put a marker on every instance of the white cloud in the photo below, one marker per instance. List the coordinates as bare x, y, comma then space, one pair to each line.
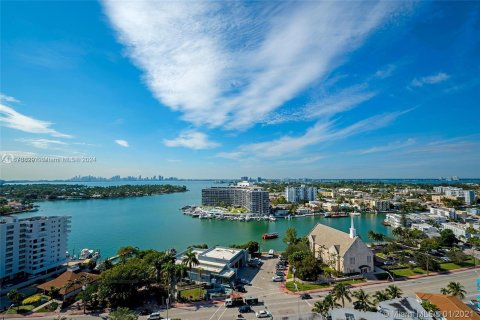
15, 120
433, 79
228, 64
192, 140
122, 143
385, 72
328, 106
42, 143
320, 132
4, 97
386, 148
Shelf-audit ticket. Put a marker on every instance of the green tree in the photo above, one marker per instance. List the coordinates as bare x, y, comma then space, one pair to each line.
290, 236
429, 307
323, 307
15, 296
393, 291
341, 292
456, 289
380, 296
362, 301
447, 238
127, 252
456, 255
190, 259
123, 314
120, 286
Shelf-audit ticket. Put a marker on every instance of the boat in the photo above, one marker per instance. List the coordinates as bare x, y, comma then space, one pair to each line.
272, 235
85, 254
355, 213
272, 218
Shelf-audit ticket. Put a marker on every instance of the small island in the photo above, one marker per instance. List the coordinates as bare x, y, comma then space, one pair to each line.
18, 198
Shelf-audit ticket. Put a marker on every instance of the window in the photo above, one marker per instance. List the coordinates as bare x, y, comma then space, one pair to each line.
349, 316
352, 260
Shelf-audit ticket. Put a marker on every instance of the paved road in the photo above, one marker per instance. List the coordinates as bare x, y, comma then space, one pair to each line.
281, 304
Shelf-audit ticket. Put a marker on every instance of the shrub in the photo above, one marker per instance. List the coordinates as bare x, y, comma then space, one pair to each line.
36, 299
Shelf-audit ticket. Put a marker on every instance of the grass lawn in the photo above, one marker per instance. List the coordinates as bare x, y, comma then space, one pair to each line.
312, 286
453, 266
407, 272
193, 294
21, 309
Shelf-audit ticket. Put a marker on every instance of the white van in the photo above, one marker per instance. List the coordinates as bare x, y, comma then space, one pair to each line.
271, 253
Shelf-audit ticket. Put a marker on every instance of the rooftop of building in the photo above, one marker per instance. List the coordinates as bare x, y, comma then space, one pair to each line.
450, 307
329, 237
61, 282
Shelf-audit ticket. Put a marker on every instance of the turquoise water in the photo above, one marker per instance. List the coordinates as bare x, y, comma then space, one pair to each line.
156, 222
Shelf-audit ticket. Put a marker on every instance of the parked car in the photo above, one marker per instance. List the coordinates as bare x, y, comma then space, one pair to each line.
244, 309
145, 312
412, 262
154, 316
305, 296
388, 263
445, 259
263, 314
244, 281
277, 278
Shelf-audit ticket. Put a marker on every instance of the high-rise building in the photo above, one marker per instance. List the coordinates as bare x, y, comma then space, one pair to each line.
302, 193
33, 245
244, 178
253, 199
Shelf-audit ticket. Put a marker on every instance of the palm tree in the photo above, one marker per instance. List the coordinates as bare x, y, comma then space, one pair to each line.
341, 292
456, 290
15, 296
380, 296
429, 307
323, 307
444, 291
363, 301
190, 260
52, 292
393, 291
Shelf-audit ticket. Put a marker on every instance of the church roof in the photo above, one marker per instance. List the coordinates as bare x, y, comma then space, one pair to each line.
331, 237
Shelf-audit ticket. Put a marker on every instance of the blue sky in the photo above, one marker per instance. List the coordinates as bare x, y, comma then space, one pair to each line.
227, 89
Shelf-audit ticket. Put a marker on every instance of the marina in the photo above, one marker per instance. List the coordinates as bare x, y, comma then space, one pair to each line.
156, 222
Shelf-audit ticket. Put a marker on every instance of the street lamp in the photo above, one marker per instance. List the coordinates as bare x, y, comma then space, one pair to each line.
84, 287
6, 312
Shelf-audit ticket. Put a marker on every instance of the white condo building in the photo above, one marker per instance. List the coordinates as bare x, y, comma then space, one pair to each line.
468, 195
296, 194
32, 246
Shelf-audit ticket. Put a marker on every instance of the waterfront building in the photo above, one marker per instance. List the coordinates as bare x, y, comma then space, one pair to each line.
301, 193
449, 307
345, 252
216, 265
32, 246
446, 212
253, 199
330, 206
380, 205
396, 220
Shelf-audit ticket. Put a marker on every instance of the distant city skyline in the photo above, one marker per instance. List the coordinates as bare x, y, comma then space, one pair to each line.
224, 89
